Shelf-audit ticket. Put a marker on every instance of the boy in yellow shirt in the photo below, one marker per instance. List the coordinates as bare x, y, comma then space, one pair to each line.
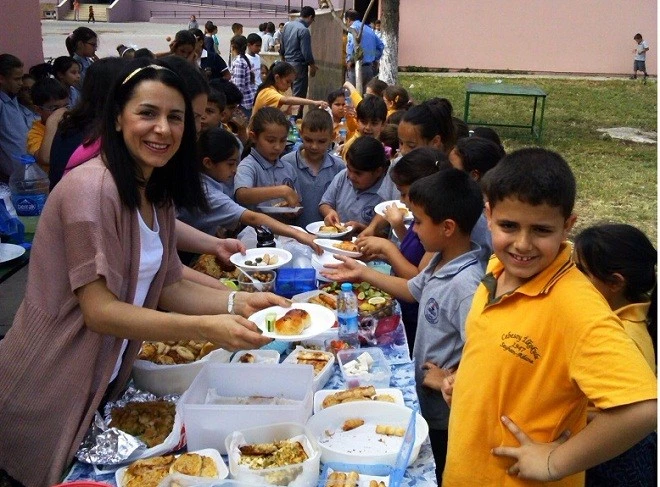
541, 342
48, 95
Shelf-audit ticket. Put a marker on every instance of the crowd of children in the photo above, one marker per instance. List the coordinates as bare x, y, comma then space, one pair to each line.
516, 334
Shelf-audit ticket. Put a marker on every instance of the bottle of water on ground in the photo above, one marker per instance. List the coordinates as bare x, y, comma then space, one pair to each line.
29, 187
347, 315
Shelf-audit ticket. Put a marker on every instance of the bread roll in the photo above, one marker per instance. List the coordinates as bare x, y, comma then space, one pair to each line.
293, 322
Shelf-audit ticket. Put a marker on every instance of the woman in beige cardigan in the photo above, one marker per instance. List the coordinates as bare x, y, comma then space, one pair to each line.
104, 258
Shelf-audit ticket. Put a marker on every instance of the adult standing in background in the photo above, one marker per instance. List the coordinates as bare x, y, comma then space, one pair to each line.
193, 23
372, 49
76, 10
296, 49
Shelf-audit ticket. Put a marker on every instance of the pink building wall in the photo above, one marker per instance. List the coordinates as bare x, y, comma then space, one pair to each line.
21, 30
578, 36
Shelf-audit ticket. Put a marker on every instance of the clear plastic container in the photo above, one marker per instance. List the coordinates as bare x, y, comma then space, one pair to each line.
347, 315
379, 372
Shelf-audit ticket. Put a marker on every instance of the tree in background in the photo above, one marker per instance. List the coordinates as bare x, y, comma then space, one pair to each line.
389, 63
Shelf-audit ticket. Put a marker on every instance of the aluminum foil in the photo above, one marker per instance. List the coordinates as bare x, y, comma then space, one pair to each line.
110, 446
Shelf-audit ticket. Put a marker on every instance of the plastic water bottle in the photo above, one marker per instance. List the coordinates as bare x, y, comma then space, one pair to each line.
347, 97
342, 133
29, 190
347, 314
294, 135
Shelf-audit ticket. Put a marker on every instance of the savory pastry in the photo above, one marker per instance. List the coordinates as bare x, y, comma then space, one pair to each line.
341, 479
246, 358
384, 398
209, 265
280, 204
364, 393
277, 454
188, 464
151, 421
352, 423
293, 322
328, 229
386, 429
316, 359
375, 483
347, 246
149, 472
175, 353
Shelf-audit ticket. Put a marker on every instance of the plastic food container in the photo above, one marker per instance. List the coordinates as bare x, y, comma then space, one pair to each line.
298, 475
267, 279
290, 282
208, 424
163, 380
378, 374
367, 473
323, 376
363, 445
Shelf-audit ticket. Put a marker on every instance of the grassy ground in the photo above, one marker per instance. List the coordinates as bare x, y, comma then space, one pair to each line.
617, 181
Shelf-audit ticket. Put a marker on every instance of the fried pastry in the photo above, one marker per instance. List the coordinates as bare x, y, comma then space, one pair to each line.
348, 246
385, 429
352, 423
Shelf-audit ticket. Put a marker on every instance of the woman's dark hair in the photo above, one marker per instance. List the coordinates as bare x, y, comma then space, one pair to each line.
398, 96
377, 86
281, 69
61, 65
611, 249
217, 144
478, 154
417, 164
434, 117
88, 112
178, 181
366, 154
240, 44
81, 34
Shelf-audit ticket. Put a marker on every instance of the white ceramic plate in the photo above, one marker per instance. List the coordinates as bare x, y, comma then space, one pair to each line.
319, 396
223, 472
10, 252
278, 210
329, 245
363, 445
239, 260
316, 226
322, 320
380, 208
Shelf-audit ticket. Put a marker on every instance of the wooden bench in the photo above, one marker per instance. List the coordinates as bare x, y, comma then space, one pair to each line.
503, 89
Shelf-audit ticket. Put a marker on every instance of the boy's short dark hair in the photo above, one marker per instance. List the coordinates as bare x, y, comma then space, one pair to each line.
534, 176
317, 120
333, 95
235, 27
371, 108
637, 36
451, 194
353, 15
8, 63
254, 39
218, 97
307, 11
232, 93
47, 89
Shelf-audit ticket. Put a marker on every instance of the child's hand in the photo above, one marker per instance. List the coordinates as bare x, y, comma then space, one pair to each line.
434, 376
239, 119
308, 239
533, 460
447, 387
322, 104
291, 197
348, 271
350, 112
371, 246
332, 218
393, 215
357, 226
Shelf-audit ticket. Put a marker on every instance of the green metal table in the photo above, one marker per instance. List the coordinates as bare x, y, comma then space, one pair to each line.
503, 89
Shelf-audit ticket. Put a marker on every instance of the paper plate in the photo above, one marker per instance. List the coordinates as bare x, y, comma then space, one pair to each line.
278, 210
363, 445
322, 320
10, 252
380, 208
329, 245
316, 226
239, 259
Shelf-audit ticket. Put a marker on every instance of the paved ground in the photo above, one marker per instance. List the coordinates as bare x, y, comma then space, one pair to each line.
139, 34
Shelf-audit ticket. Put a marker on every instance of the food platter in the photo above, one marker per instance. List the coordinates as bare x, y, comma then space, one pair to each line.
362, 445
251, 255
315, 228
330, 246
10, 252
322, 319
380, 208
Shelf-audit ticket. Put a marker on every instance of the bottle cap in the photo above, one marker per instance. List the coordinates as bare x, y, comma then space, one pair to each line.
347, 286
27, 159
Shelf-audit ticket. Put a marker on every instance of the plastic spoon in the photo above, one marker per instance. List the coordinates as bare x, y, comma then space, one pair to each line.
258, 285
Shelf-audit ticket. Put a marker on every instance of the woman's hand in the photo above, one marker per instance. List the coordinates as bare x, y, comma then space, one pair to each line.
233, 332
349, 270
246, 304
226, 247
533, 460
